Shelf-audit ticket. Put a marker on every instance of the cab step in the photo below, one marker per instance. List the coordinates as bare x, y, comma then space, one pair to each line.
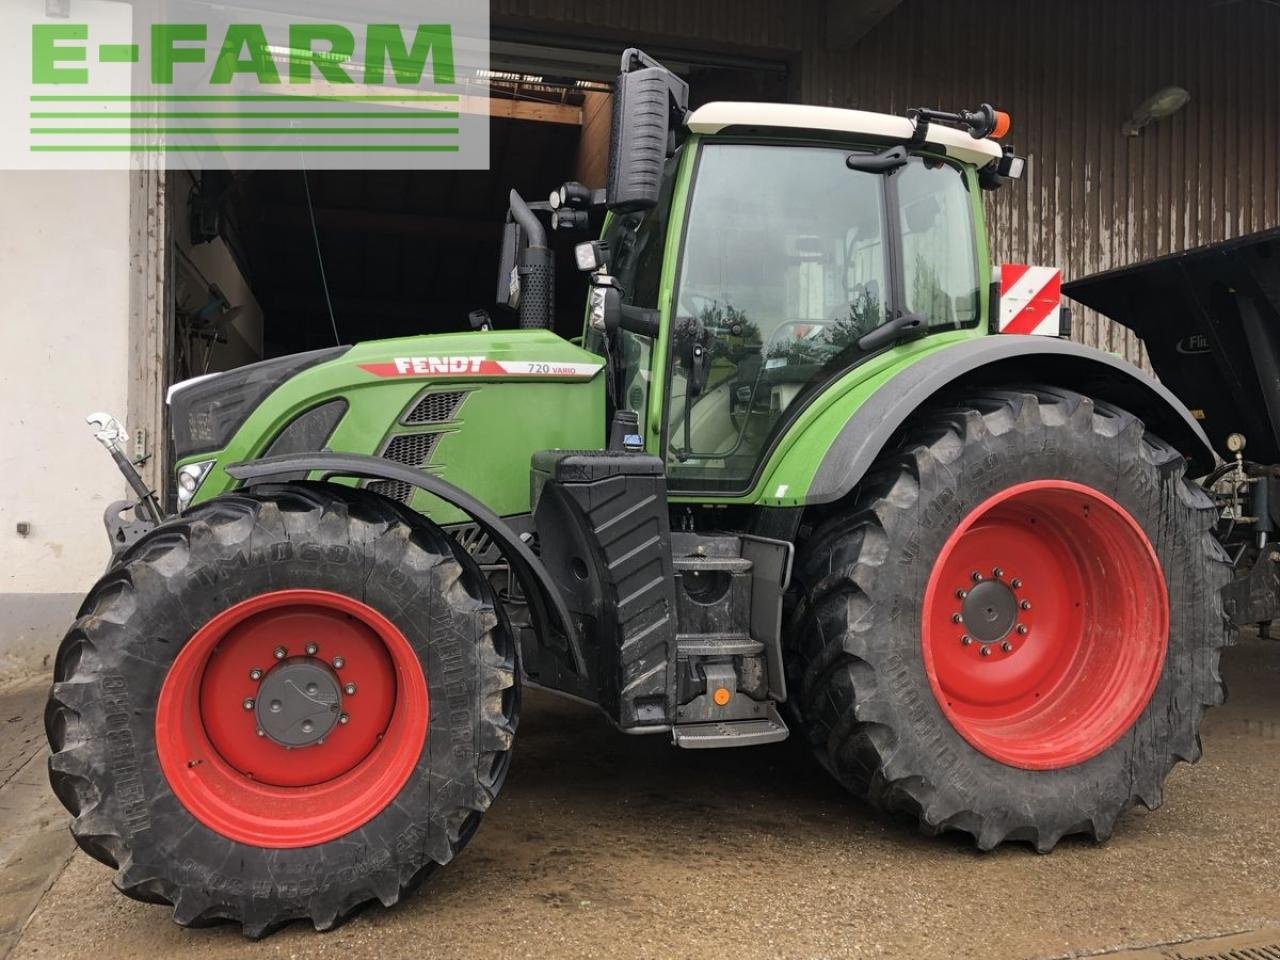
730, 733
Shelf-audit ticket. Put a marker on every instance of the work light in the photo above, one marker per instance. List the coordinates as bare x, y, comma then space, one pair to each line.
190, 477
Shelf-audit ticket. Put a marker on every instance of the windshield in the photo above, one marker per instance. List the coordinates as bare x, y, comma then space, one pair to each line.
786, 265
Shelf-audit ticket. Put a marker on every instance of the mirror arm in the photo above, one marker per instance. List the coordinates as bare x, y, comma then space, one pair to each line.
901, 327
639, 320
633, 58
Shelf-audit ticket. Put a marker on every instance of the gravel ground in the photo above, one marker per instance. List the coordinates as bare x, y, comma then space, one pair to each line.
609, 846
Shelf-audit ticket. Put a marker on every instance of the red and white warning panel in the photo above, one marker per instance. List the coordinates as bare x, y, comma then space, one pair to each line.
1030, 299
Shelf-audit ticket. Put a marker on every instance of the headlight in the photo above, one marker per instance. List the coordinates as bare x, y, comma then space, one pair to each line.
206, 412
190, 478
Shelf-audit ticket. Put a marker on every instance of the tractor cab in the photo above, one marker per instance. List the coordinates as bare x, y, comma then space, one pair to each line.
752, 254
788, 269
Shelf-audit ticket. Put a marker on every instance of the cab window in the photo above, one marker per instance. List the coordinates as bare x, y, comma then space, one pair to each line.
784, 268
939, 262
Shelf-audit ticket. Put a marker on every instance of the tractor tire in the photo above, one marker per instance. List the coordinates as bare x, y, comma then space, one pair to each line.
1015, 629
283, 704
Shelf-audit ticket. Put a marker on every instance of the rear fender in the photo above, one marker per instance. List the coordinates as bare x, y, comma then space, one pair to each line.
998, 360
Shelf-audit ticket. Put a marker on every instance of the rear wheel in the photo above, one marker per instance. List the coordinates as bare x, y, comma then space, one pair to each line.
1015, 629
282, 705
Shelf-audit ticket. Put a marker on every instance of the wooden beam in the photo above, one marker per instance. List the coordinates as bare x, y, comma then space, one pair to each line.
380, 222
848, 21
592, 164
524, 110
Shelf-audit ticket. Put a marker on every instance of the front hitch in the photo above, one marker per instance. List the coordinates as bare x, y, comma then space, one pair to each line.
146, 510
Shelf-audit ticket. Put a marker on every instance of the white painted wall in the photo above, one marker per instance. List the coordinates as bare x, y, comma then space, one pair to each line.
64, 321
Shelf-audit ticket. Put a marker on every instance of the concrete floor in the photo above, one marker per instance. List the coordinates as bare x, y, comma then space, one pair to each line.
610, 846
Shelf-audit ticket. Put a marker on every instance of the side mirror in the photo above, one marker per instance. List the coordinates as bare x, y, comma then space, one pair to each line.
645, 97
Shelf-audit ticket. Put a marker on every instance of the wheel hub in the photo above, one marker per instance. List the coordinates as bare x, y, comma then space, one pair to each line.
989, 611
307, 750
299, 702
1045, 624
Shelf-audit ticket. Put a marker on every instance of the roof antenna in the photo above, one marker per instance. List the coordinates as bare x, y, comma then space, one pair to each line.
315, 234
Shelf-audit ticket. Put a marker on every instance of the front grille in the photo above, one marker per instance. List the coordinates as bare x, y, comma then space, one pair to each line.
411, 449
396, 490
436, 408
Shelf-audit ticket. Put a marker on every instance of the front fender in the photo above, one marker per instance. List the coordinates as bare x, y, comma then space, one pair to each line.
543, 594
837, 448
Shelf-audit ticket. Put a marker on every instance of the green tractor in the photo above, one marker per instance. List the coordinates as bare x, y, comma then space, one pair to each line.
809, 470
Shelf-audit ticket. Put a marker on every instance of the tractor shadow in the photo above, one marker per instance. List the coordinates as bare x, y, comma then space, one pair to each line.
653, 795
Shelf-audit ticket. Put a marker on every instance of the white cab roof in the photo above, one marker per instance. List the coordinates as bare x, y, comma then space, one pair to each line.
715, 117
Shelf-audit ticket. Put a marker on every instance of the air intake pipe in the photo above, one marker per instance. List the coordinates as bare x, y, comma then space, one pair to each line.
536, 269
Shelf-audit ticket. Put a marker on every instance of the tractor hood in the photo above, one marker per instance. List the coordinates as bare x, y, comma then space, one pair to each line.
471, 408
1210, 319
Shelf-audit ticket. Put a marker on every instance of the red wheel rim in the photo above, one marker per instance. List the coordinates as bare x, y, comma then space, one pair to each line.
1045, 624
251, 787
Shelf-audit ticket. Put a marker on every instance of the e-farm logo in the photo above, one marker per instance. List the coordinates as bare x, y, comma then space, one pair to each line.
271, 91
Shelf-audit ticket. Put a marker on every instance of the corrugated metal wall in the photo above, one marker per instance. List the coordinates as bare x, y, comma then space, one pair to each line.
1070, 72
690, 24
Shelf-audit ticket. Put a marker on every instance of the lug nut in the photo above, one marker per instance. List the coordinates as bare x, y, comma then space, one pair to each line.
1015, 583
961, 594
280, 653
1025, 604
307, 726
248, 703
255, 674
966, 640
349, 689
1007, 647
312, 649
956, 618
985, 651
997, 573
338, 663
977, 577
1022, 629
343, 718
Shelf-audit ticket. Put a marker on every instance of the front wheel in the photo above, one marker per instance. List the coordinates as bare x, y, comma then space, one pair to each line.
1015, 629
283, 704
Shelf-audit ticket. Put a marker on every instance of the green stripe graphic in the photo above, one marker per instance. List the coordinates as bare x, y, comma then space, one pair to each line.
250, 148
254, 98
270, 131
385, 114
